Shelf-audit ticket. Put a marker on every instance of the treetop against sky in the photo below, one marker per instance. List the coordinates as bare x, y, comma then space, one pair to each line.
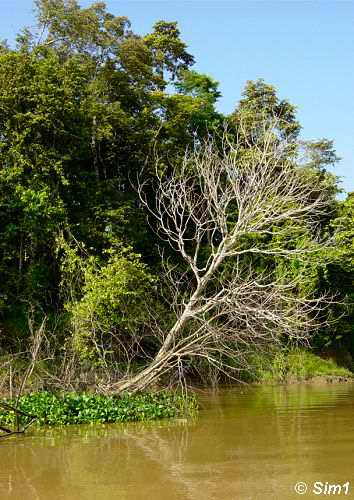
303, 48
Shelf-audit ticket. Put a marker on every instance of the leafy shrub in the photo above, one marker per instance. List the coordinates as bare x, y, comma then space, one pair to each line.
104, 296
84, 408
295, 364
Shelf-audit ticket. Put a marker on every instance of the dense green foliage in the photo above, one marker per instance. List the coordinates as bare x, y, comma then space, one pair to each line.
296, 365
85, 106
81, 408
339, 275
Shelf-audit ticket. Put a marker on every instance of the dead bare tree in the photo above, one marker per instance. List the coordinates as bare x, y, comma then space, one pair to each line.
223, 206
36, 339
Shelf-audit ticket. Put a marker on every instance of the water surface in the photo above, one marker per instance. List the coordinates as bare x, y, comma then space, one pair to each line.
251, 443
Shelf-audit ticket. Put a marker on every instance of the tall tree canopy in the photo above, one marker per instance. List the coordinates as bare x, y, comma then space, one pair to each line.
86, 107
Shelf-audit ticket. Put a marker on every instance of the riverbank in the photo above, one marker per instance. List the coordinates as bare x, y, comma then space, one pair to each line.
297, 366
42, 407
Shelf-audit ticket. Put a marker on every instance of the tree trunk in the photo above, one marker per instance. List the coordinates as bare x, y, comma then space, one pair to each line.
94, 147
151, 373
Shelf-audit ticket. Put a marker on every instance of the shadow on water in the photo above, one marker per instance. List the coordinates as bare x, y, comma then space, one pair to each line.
247, 443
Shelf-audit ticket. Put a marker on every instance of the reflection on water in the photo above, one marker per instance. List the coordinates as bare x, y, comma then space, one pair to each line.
252, 443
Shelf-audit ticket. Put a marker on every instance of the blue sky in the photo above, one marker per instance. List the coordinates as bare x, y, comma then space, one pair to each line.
304, 48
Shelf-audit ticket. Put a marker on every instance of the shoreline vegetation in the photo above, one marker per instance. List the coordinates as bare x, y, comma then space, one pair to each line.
149, 241
296, 366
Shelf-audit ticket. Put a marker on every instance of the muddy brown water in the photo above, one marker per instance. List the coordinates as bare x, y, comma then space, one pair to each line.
250, 443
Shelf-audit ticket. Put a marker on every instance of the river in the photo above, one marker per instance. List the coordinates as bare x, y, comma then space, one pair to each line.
246, 443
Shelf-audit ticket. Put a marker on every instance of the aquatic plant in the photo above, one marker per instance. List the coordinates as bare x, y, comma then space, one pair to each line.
83, 408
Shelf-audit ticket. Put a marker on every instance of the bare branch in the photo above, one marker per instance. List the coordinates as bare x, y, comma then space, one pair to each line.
224, 207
